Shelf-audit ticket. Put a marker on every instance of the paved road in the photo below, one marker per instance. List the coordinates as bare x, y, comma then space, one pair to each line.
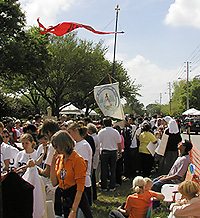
194, 138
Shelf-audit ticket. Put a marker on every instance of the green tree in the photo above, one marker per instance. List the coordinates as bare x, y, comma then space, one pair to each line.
152, 109
35, 56
12, 22
75, 67
178, 101
71, 71
179, 98
194, 98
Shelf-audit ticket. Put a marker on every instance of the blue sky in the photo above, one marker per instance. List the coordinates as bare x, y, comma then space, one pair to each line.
160, 35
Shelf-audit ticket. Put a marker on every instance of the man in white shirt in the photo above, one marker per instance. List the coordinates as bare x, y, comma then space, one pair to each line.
110, 142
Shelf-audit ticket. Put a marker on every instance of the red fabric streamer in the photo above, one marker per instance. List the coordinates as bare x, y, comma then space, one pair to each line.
66, 27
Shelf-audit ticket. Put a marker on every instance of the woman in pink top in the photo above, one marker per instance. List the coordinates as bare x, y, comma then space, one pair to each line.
189, 205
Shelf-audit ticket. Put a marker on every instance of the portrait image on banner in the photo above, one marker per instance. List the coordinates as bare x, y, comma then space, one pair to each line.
108, 99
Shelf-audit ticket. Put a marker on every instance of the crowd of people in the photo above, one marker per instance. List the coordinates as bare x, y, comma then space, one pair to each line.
75, 158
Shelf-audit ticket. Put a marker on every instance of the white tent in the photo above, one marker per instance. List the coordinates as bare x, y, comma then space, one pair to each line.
71, 110
197, 113
91, 112
191, 111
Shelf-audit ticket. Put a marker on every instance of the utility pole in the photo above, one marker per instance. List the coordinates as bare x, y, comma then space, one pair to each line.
187, 83
160, 102
117, 9
188, 102
170, 96
160, 98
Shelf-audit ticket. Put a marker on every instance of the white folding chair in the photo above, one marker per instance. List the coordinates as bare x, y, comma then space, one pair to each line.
170, 191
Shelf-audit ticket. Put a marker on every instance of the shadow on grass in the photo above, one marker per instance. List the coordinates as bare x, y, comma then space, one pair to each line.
107, 201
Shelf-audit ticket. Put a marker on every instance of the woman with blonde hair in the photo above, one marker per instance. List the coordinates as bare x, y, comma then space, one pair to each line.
68, 171
138, 203
189, 205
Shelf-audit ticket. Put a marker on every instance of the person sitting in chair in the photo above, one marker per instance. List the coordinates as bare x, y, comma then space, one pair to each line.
178, 171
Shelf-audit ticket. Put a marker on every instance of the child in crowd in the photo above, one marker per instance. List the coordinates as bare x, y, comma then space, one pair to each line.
42, 148
189, 205
148, 184
138, 203
42, 151
29, 153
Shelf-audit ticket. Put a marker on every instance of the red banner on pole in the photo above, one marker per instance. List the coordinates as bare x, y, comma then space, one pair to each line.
66, 27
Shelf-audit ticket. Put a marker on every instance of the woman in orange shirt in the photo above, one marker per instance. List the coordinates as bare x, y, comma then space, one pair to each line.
68, 171
138, 203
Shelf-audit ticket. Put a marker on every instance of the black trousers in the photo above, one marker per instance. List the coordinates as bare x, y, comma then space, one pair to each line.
131, 162
88, 193
108, 168
146, 161
116, 214
119, 170
94, 186
64, 200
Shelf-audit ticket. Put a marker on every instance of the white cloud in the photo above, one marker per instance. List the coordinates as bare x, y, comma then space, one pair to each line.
152, 78
47, 10
184, 13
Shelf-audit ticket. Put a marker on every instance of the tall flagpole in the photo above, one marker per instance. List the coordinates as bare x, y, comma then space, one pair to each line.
117, 9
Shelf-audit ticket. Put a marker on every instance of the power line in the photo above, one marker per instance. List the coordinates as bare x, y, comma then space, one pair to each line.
196, 61
193, 55
108, 24
181, 70
194, 58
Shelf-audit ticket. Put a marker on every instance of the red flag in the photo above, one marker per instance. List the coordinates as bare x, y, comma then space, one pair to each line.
66, 27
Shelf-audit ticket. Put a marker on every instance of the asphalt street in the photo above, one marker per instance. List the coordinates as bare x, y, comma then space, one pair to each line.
195, 139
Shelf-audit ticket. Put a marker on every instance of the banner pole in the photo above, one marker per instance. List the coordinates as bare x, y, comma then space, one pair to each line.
115, 39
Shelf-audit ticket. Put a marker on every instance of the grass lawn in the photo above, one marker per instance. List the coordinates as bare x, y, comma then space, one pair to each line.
106, 201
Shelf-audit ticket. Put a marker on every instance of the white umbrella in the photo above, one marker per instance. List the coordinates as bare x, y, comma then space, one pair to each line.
190, 111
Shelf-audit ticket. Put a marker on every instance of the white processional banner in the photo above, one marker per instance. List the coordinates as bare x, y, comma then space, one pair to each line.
108, 99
